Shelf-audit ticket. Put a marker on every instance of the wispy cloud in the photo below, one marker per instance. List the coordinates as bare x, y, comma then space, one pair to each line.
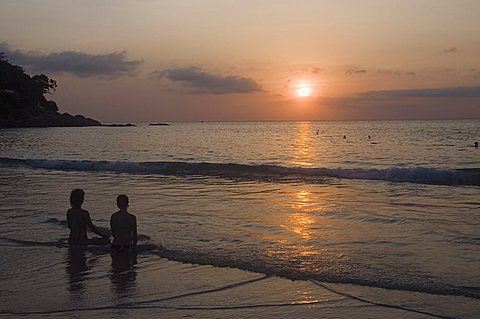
110, 65
396, 72
451, 92
193, 79
451, 50
410, 97
355, 71
452, 102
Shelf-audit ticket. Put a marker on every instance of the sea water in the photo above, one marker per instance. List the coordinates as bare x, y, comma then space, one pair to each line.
392, 205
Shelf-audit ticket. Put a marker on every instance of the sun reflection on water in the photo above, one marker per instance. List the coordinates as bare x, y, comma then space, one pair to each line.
299, 223
304, 151
301, 210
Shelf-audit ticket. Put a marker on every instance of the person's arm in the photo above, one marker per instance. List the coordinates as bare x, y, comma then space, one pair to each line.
68, 220
134, 231
93, 228
112, 227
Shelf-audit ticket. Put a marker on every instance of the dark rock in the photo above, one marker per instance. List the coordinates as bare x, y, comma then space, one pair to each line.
59, 120
119, 125
159, 124
49, 107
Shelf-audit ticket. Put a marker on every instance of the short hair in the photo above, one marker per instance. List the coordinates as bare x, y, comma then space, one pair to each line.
77, 196
122, 201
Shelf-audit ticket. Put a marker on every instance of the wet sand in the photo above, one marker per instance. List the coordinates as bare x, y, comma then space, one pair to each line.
54, 281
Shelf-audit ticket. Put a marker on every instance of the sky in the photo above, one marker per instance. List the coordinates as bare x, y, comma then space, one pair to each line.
223, 60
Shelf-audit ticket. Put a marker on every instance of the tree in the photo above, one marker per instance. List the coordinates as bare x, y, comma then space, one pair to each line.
44, 83
22, 95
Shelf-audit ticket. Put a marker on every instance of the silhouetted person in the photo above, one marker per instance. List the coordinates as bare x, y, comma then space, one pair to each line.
317, 132
344, 137
79, 220
476, 144
369, 137
123, 226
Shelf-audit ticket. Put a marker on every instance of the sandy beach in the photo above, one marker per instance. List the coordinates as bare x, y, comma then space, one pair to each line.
86, 284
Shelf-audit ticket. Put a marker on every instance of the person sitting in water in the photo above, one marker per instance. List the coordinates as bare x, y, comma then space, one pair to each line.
123, 226
79, 220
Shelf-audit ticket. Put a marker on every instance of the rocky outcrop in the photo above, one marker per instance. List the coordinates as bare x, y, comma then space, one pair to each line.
23, 102
119, 125
53, 120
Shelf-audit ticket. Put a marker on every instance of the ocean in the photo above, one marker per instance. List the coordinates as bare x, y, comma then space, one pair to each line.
360, 219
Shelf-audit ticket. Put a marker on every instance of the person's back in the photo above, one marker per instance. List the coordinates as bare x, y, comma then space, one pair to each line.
123, 226
79, 220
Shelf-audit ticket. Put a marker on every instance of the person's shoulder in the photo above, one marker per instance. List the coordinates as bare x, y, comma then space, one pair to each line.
82, 213
115, 215
73, 210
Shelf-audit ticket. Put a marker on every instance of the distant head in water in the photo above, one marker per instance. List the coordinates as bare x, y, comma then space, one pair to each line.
122, 201
77, 196
476, 144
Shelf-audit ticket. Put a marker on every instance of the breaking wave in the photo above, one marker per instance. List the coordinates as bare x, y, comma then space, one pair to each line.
421, 175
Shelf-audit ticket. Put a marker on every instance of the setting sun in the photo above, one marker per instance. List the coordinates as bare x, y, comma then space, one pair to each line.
304, 91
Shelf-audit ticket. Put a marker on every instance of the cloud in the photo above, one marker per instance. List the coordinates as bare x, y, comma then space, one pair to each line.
317, 70
452, 92
453, 102
410, 97
396, 72
194, 80
355, 71
451, 50
81, 64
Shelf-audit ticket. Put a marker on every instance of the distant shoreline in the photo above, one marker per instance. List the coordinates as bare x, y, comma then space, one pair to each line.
43, 123
67, 121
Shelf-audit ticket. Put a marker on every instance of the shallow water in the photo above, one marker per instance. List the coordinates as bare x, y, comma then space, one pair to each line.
416, 231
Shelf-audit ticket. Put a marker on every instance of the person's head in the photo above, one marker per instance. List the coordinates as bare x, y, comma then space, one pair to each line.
77, 196
122, 201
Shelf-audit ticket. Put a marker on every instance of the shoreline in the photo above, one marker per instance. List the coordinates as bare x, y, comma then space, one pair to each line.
152, 286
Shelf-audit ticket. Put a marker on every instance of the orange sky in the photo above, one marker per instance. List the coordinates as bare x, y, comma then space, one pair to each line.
243, 60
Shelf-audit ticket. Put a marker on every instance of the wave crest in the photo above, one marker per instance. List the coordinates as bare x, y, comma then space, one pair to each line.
421, 175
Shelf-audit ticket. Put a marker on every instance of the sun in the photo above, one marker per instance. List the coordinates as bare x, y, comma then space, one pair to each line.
304, 90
